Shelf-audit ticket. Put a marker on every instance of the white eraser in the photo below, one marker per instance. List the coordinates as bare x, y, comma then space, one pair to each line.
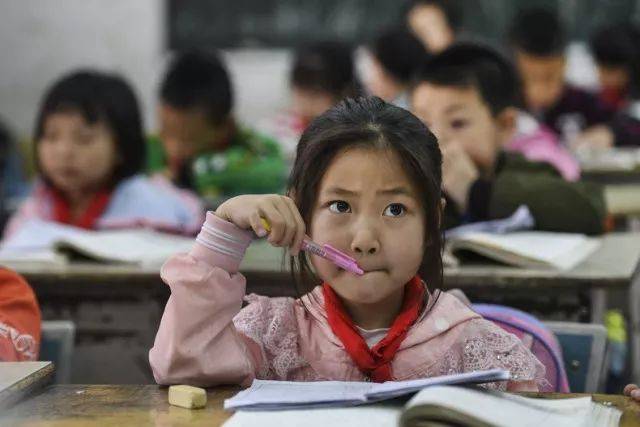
187, 396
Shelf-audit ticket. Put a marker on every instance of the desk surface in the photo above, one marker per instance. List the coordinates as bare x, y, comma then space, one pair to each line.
623, 199
142, 405
612, 266
615, 165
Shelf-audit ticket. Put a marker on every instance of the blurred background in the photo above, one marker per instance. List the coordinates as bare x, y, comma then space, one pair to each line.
41, 40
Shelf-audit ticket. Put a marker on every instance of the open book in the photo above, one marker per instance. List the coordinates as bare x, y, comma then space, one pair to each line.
446, 406
277, 395
530, 249
52, 243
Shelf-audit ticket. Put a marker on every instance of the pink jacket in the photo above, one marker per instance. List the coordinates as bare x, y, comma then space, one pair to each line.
206, 337
540, 144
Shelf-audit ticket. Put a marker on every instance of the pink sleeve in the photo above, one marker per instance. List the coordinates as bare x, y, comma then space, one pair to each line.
197, 342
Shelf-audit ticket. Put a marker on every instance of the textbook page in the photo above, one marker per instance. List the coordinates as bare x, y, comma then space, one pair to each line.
391, 389
265, 394
535, 249
377, 415
145, 247
37, 240
277, 395
505, 410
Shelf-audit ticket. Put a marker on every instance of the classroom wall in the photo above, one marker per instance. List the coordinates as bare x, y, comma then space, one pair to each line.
42, 39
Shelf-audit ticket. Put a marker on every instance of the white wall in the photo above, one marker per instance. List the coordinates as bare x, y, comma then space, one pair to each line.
43, 39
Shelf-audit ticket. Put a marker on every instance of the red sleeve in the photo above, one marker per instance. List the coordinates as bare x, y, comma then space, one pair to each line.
19, 319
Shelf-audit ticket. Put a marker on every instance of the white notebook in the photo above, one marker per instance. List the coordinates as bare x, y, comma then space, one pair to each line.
529, 249
48, 242
445, 406
277, 395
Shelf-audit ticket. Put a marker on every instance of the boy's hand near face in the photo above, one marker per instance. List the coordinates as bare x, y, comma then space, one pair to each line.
458, 173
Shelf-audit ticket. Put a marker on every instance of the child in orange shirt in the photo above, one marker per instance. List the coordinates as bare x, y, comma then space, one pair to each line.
19, 319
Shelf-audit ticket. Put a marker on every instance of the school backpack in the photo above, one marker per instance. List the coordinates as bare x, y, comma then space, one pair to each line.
536, 337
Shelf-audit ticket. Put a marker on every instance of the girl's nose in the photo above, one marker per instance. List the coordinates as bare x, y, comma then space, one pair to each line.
365, 242
64, 147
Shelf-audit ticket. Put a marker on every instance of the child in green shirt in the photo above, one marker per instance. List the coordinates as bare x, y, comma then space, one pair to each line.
200, 145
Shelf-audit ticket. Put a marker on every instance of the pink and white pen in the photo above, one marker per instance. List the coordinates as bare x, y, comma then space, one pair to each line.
327, 252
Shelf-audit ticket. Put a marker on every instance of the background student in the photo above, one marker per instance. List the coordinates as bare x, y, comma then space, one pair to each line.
201, 146
322, 74
465, 97
89, 152
538, 41
617, 55
436, 23
395, 56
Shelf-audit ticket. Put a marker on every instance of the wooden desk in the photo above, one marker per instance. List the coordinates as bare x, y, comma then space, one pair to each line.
612, 266
614, 166
135, 405
141, 292
19, 379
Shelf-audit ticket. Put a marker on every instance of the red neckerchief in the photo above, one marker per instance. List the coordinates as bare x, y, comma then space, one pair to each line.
88, 219
374, 362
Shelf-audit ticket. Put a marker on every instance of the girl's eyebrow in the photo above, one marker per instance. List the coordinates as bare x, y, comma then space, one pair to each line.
341, 191
397, 191
394, 191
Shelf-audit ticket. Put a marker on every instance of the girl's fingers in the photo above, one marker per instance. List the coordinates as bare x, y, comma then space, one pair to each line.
633, 391
300, 228
290, 223
269, 212
286, 227
255, 220
629, 388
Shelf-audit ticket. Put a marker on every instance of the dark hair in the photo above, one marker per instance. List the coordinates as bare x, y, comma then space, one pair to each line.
450, 8
616, 45
538, 32
198, 79
399, 52
326, 66
372, 123
466, 65
104, 98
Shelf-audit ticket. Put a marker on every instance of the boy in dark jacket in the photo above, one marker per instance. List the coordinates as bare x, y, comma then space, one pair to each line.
468, 95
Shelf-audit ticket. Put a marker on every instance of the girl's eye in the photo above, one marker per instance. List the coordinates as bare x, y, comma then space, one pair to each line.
458, 124
339, 206
395, 210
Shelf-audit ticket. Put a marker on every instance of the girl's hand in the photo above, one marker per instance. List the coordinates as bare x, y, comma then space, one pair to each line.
458, 173
287, 226
632, 391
